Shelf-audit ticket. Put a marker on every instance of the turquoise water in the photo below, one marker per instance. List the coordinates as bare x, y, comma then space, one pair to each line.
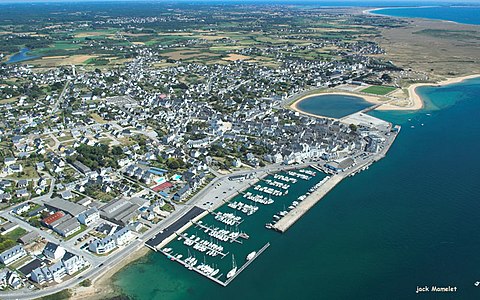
411, 219
21, 56
332, 105
459, 14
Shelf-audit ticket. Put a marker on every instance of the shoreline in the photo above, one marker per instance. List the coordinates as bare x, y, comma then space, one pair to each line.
416, 102
102, 286
416, 98
371, 11
374, 100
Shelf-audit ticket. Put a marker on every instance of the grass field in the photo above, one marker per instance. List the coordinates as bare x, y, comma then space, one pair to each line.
379, 90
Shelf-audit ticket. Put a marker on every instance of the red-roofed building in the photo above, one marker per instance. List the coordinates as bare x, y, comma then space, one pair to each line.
52, 218
162, 186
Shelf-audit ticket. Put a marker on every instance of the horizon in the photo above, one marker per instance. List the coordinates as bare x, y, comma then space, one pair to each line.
329, 3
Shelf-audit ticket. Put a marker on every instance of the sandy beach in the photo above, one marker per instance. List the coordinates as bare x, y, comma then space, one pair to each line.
371, 99
414, 100
417, 100
102, 287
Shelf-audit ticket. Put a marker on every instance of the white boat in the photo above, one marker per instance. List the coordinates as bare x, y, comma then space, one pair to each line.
251, 255
234, 268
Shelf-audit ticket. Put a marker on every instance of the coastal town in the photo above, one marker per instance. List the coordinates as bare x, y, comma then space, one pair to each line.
97, 162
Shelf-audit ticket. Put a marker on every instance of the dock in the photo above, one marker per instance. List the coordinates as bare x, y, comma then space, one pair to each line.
206, 229
195, 243
236, 222
292, 216
216, 278
246, 264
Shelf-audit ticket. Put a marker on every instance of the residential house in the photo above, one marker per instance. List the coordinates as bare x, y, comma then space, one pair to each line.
89, 216
53, 251
73, 263
103, 246
13, 254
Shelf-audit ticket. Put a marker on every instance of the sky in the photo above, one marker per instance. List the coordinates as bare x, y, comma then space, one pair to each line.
355, 2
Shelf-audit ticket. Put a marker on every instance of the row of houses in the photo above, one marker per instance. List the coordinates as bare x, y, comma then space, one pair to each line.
69, 264
107, 244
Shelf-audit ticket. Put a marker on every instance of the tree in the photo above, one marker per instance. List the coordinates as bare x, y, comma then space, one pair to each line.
86, 283
353, 127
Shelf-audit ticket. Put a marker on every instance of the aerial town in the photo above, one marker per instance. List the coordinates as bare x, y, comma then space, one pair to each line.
96, 161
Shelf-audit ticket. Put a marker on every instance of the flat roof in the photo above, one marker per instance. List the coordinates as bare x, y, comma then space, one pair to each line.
71, 208
28, 268
191, 214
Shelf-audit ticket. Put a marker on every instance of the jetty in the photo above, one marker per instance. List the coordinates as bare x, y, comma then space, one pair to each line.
292, 216
216, 278
247, 264
208, 229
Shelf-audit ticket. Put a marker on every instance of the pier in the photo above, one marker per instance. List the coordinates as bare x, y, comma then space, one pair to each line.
206, 229
292, 216
247, 264
198, 243
216, 278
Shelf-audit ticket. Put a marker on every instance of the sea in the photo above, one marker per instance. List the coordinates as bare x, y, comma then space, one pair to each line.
467, 14
410, 220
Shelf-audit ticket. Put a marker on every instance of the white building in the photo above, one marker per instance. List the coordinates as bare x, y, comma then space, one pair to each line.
89, 217
13, 254
58, 271
123, 236
103, 246
73, 263
53, 251
41, 275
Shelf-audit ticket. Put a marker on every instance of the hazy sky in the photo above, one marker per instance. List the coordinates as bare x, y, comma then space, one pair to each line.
359, 2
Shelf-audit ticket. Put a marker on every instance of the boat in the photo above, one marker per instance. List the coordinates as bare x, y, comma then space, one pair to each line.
234, 268
251, 255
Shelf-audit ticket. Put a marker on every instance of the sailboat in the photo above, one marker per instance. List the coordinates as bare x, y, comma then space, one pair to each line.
234, 268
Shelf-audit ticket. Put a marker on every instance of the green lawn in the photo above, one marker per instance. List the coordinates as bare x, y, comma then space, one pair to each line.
379, 90
15, 234
82, 229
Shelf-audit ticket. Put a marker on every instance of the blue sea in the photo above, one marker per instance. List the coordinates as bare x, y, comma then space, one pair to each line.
459, 14
410, 220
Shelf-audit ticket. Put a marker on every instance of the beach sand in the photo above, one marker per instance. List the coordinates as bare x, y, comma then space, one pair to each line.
102, 286
368, 98
417, 100
413, 102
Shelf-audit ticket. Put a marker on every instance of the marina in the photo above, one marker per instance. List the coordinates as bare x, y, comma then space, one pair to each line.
222, 234
213, 244
209, 271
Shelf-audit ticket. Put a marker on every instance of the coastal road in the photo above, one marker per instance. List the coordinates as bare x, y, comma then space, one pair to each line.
100, 266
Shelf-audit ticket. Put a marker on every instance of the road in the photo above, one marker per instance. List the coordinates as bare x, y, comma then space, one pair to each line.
60, 98
100, 265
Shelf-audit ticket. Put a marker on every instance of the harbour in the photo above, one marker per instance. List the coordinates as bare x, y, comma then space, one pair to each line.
239, 223
209, 241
